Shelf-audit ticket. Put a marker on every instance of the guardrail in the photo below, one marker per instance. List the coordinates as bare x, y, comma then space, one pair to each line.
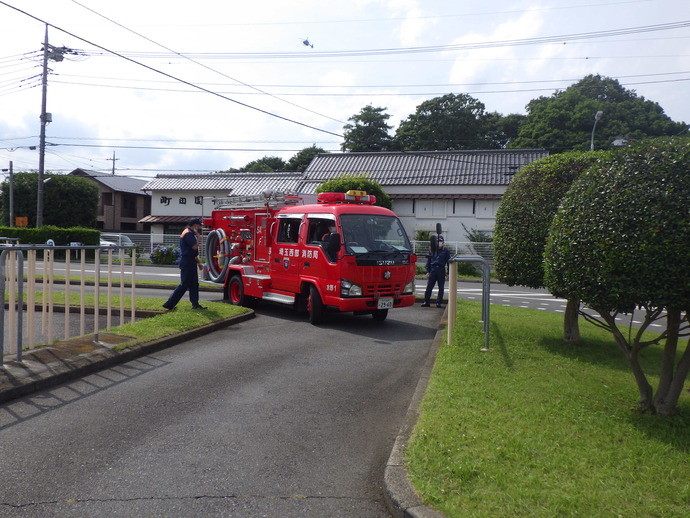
12, 263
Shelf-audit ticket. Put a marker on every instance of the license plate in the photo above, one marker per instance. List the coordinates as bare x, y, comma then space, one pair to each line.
385, 303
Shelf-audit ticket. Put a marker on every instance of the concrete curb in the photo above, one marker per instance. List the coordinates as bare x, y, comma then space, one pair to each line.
401, 498
54, 364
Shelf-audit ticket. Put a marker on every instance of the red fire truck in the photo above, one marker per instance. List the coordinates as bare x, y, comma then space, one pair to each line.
331, 252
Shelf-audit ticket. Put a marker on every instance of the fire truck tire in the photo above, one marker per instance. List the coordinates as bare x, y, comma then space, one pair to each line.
217, 244
315, 306
236, 292
380, 315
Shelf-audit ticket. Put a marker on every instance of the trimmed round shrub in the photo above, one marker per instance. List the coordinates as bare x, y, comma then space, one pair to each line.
621, 238
526, 212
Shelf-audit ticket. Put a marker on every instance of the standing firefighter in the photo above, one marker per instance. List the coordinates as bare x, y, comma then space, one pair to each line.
189, 263
436, 272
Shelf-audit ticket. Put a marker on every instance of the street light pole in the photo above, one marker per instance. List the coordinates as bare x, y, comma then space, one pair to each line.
596, 119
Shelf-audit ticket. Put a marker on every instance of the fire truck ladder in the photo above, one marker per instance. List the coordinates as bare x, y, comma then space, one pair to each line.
270, 198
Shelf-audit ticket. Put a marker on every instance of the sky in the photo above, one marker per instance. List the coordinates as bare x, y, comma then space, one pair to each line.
157, 87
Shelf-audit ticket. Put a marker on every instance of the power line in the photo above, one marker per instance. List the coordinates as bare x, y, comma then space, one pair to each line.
362, 94
170, 75
558, 39
417, 85
206, 66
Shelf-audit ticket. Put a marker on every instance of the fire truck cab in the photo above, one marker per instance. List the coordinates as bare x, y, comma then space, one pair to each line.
337, 252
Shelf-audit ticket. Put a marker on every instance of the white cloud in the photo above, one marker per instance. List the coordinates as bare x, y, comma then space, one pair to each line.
115, 110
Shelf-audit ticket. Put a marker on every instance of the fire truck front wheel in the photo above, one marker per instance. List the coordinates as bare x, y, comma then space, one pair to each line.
380, 315
236, 292
315, 306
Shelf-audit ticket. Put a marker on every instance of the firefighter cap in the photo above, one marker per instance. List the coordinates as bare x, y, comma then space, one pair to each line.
195, 221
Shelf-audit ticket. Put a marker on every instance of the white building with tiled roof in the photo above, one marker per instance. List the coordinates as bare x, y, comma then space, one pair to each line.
450, 187
426, 187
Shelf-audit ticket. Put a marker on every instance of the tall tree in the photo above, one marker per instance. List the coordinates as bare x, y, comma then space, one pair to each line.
369, 131
68, 201
445, 123
501, 130
302, 158
620, 242
565, 120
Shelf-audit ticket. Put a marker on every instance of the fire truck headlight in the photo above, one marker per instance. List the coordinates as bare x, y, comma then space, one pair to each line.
349, 289
409, 288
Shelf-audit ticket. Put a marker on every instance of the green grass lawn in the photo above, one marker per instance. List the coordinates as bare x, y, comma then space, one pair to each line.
535, 427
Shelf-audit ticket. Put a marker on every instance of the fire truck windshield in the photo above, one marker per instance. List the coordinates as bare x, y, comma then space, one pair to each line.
369, 233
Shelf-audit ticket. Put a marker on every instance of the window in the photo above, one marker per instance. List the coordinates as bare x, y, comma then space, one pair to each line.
462, 207
317, 229
404, 207
288, 231
129, 206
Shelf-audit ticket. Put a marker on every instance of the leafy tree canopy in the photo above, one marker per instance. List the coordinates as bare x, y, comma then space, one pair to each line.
301, 159
501, 129
444, 123
565, 120
368, 131
266, 164
68, 201
621, 238
345, 183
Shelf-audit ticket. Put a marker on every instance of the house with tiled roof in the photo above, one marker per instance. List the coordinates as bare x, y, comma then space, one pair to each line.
449, 187
121, 202
453, 188
175, 198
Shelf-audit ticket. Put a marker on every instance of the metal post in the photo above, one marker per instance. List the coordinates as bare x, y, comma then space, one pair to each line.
486, 287
452, 299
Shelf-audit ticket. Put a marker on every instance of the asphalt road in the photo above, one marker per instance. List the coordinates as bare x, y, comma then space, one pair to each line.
270, 417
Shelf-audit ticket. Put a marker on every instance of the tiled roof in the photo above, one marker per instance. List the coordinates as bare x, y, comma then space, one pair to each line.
113, 182
165, 219
483, 167
240, 183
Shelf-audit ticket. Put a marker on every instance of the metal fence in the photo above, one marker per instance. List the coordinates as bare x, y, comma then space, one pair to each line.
485, 250
24, 316
147, 242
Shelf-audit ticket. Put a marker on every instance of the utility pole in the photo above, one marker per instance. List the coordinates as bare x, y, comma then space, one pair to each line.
42, 141
56, 54
11, 195
113, 159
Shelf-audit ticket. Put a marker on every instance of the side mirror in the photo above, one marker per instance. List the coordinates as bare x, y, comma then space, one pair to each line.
439, 230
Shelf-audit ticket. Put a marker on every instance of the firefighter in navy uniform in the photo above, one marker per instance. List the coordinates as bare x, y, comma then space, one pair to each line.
189, 264
436, 266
